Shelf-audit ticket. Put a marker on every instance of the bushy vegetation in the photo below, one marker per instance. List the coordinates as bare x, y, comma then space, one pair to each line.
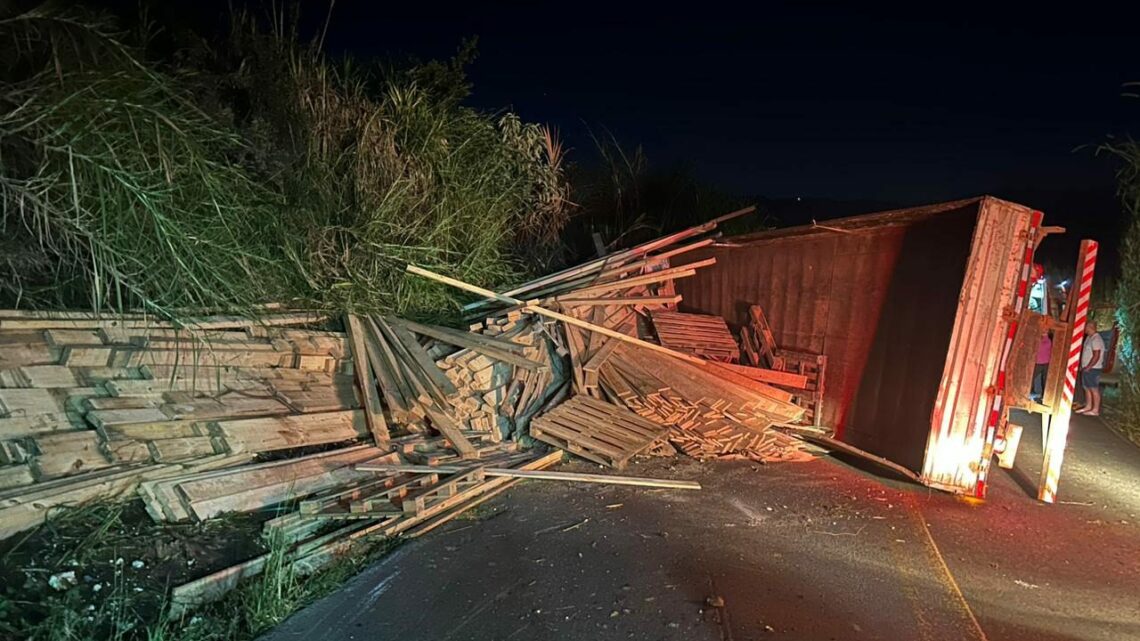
252, 169
1127, 288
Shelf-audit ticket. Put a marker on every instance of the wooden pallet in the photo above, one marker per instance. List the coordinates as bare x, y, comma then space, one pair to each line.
758, 336
597, 431
700, 334
813, 368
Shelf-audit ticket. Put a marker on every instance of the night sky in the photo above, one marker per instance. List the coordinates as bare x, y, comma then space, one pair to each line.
782, 101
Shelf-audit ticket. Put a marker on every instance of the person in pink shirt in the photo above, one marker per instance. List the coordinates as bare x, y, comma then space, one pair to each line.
1041, 367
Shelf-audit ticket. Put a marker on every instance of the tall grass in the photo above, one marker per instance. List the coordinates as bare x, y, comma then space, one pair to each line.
1127, 287
271, 175
115, 188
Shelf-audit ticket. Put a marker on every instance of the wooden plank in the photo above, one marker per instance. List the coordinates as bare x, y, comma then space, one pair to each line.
15, 476
696, 383
477, 343
446, 426
19, 426
576, 349
29, 402
374, 412
492, 488
619, 257
48, 376
182, 449
597, 430
415, 376
21, 354
614, 334
621, 300
412, 347
763, 333
395, 393
65, 337
751, 384
285, 432
257, 486
126, 450
155, 431
105, 418
672, 273
18, 319
575, 477
69, 458
770, 376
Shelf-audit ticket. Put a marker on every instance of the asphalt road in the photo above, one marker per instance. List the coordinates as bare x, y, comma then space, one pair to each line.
821, 550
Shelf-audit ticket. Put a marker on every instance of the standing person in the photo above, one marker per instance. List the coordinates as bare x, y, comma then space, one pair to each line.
1092, 362
1041, 367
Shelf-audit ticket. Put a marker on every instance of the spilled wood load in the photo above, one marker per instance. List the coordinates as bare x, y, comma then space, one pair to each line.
379, 425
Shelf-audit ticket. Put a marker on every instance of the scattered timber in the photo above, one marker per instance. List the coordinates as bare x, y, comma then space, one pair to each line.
392, 426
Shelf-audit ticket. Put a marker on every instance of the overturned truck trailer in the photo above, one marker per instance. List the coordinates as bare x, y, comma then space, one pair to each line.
913, 309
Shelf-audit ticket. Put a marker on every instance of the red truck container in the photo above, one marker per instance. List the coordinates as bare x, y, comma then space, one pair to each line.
912, 309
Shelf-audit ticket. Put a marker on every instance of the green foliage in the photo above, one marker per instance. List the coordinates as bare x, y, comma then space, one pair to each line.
1128, 286
115, 186
256, 171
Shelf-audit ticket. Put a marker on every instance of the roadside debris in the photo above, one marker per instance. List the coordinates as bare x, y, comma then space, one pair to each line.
63, 581
392, 427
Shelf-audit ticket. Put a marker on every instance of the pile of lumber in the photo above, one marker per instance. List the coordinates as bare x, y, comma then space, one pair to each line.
91, 407
614, 320
707, 417
378, 425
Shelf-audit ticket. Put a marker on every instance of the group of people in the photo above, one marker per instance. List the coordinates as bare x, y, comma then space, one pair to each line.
1092, 363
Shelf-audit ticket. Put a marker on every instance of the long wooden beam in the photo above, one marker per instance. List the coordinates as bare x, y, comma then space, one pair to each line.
474, 342
673, 273
628, 300
534, 308
541, 475
373, 411
618, 257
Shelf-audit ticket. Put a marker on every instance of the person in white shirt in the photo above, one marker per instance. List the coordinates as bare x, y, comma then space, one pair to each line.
1092, 362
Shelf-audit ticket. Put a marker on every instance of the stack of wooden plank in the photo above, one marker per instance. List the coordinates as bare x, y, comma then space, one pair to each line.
367, 503
90, 407
701, 334
708, 416
455, 381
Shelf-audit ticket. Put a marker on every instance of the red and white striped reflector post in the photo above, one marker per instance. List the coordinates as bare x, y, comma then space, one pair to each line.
1059, 426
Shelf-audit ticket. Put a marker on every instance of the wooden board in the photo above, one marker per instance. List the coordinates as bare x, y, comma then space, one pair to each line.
763, 375
283, 432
